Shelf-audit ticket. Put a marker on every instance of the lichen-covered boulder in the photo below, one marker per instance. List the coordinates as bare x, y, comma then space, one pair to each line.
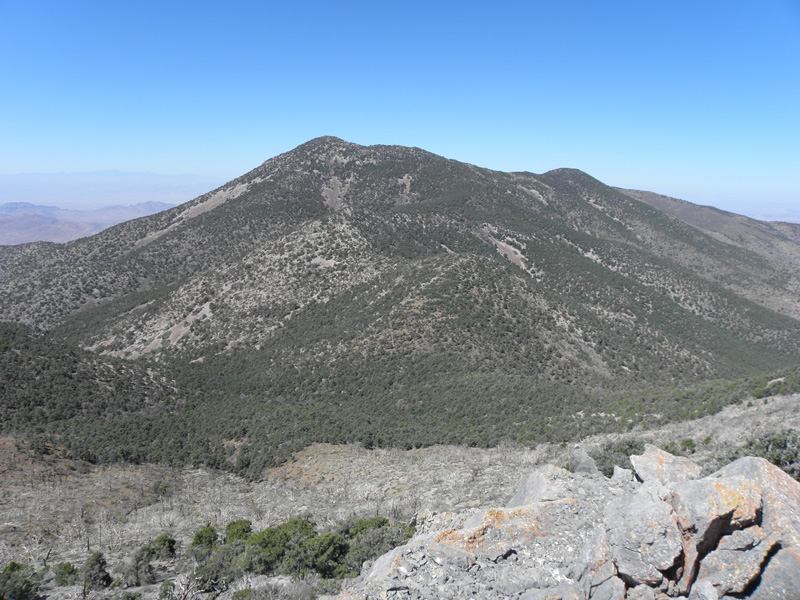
655, 464
736, 562
575, 536
780, 496
705, 510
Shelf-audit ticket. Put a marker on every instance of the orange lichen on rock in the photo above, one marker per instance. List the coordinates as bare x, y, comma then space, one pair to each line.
496, 524
742, 501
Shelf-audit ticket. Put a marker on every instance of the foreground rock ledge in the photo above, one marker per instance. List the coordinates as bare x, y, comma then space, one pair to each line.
661, 533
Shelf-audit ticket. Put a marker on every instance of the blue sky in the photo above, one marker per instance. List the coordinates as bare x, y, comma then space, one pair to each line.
699, 100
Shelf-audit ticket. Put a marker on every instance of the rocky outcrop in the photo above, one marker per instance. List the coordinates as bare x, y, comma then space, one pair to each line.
655, 464
661, 534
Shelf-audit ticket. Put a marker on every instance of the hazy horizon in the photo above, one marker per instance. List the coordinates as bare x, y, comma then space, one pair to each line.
100, 189
696, 101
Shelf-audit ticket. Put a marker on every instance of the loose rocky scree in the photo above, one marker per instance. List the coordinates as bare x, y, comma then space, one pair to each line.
661, 532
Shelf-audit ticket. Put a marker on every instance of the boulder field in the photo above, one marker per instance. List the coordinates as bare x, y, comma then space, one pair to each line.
660, 531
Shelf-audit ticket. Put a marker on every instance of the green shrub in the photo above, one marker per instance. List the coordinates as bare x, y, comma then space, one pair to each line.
95, 573
18, 582
167, 590
66, 574
274, 542
137, 570
163, 546
363, 525
205, 537
322, 553
226, 563
672, 447
238, 530
292, 548
616, 453
242, 594
296, 528
782, 449
373, 542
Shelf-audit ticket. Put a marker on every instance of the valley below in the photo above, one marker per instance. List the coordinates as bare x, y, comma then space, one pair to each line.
57, 510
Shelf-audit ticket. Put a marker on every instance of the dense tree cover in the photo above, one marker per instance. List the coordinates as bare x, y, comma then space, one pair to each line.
45, 383
421, 327
270, 408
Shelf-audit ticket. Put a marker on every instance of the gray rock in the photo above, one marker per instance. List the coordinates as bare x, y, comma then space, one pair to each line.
594, 562
612, 588
703, 590
643, 537
641, 592
451, 556
601, 575
570, 591
736, 562
542, 485
512, 581
707, 509
780, 497
781, 577
622, 475
539, 594
384, 564
574, 536
655, 464
583, 463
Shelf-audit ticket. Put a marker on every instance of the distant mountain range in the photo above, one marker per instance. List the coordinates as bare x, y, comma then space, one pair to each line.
96, 200
22, 222
86, 190
390, 296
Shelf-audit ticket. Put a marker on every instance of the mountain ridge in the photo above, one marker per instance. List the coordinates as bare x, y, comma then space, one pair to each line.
405, 298
738, 230
23, 222
334, 194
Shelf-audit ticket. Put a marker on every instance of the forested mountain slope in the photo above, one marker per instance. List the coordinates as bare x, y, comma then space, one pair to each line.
400, 297
776, 242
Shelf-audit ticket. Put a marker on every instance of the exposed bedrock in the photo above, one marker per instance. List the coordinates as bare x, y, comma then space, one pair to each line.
663, 532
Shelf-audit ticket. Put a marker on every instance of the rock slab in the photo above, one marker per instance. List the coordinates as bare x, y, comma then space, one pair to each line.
580, 536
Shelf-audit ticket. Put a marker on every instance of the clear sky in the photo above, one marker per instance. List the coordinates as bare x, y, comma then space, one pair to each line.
694, 99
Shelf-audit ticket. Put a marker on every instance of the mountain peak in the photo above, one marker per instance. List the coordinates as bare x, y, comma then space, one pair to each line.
326, 143
390, 291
